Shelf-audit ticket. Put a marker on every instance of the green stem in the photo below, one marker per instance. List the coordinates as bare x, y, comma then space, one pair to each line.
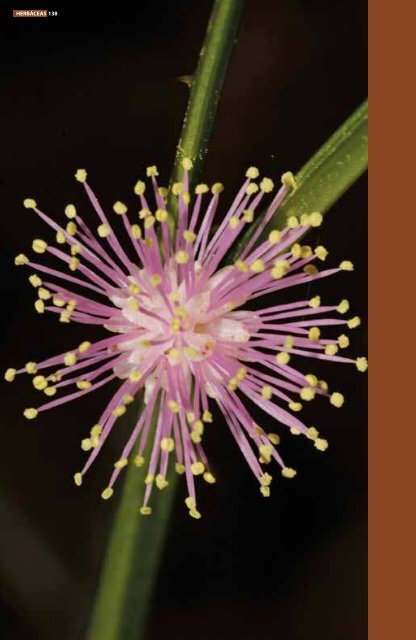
325, 177
136, 543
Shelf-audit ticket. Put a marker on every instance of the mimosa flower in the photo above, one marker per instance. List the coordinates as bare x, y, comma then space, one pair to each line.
178, 327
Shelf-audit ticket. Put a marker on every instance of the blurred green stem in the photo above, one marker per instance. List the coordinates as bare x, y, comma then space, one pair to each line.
340, 161
136, 543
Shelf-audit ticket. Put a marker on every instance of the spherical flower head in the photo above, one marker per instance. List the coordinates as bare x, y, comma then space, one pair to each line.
177, 327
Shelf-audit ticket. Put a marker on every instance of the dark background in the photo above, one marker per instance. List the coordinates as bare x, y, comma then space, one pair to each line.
100, 91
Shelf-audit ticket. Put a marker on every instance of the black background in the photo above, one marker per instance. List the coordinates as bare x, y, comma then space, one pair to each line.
97, 88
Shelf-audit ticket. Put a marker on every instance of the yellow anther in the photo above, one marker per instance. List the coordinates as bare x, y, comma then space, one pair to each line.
10, 375
190, 417
331, 349
283, 357
265, 491
152, 171
288, 179
307, 393
295, 431
361, 364
312, 380
208, 477
30, 413
314, 334
343, 306
73, 265
139, 461
207, 416
321, 252
133, 303
81, 175
177, 188
40, 306
353, 323
135, 376
189, 236
103, 230
120, 464
136, 231
44, 294
343, 341
233, 222
315, 302
179, 468
144, 213
84, 384
274, 438
198, 427
174, 353
233, 384
275, 236
241, 266
29, 203
323, 385
139, 188
39, 246
149, 222
60, 237
120, 208
267, 392
266, 480
49, 391
167, 444
248, 215
304, 219
161, 481
288, 472
187, 164
134, 288
266, 185
195, 514
161, 215
86, 444
58, 302
70, 211
174, 296
241, 373
156, 279
265, 451
173, 406
78, 479
310, 269
70, 359
292, 222
321, 444
96, 431
296, 250
252, 173
71, 228
119, 411
312, 433
315, 219
30, 367
34, 280
149, 478
295, 406
346, 265
128, 398
163, 191
107, 493
280, 268
201, 188
217, 188
146, 511
252, 188
190, 502
39, 382
182, 257
306, 251
289, 342
197, 468
20, 260
84, 346
191, 352
337, 399
257, 266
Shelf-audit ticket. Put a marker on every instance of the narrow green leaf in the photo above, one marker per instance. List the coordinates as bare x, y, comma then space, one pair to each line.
340, 161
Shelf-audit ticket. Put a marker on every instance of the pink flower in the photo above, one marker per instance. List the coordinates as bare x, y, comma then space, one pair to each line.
178, 328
